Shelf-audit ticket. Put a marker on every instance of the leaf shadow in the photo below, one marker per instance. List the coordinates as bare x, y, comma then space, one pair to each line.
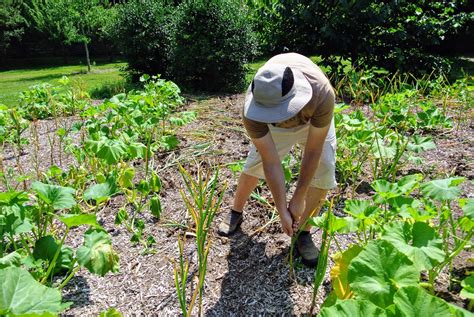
77, 291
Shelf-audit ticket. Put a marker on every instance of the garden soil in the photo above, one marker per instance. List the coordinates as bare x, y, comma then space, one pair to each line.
248, 272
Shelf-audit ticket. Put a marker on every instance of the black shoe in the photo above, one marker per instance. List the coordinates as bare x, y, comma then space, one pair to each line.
230, 223
307, 250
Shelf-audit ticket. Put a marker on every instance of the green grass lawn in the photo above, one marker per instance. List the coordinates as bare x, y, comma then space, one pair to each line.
12, 82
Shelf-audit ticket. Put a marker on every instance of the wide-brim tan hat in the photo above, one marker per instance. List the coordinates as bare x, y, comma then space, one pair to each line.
276, 94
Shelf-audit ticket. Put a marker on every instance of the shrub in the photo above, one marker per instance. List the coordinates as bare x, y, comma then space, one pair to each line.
212, 42
143, 30
396, 35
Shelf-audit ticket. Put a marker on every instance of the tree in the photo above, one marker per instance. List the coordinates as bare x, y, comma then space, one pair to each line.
399, 35
11, 24
70, 21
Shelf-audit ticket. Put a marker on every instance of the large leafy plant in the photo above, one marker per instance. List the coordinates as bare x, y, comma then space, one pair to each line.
370, 144
212, 42
399, 243
34, 249
45, 100
22, 295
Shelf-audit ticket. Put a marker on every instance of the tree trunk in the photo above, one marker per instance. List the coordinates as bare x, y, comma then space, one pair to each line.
87, 57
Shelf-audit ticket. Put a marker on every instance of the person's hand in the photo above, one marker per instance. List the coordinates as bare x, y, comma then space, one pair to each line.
296, 207
286, 221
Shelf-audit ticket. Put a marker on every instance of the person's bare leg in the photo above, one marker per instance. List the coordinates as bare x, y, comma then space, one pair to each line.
245, 187
315, 199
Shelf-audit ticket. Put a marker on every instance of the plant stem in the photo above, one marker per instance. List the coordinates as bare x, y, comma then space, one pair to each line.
56, 255
323, 259
73, 272
25, 244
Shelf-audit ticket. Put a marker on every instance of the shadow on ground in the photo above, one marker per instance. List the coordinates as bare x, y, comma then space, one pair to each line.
253, 285
77, 291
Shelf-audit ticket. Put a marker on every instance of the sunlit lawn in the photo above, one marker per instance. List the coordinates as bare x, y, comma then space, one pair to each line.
12, 82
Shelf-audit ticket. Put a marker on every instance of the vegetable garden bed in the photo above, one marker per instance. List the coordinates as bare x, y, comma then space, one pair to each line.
249, 272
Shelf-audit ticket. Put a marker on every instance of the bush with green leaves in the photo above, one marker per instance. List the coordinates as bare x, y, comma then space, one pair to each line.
396, 35
12, 25
143, 31
213, 41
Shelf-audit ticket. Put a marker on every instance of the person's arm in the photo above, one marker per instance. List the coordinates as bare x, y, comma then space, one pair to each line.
319, 127
275, 179
309, 164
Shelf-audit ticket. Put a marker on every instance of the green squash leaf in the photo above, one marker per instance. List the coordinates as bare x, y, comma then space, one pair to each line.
56, 196
79, 220
352, 308
417, 241
420, 144
467, 287
97, 254
155, 207
407, 184
143, 187
13, 197
169, 142
385, 190
443, 189
382, 151
111, 151
379, 271
360, 209
136, 150
402, 205
344, 224
467, 205
22, 295
415, 301
46, 247
155, 182
13, 220
121, 216
126, 178
101, 192
11, 259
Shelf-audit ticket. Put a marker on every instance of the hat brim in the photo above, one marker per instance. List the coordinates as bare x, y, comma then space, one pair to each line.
287, 109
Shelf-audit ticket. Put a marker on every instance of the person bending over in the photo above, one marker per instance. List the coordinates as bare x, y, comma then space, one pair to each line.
289, 101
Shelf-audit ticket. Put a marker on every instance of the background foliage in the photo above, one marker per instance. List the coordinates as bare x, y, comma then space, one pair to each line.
143, 32
204, 44
397, 35
212, 42
11, 25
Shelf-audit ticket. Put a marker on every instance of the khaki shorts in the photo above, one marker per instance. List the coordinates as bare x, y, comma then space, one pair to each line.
284, 139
